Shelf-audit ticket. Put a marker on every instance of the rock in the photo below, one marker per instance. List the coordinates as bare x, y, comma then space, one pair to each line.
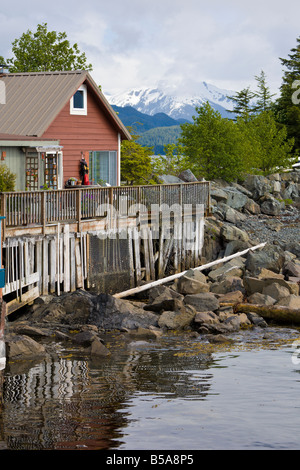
202, 302
192, 282
118, 314
233, 268
97, 348
232, 297
230, 214
166, 291
218, 194
230, 233
150, 333
258, 185
235, 246
291, 269
261, 299
291, 301
32, 331
294, 248
267, 274
21, 347
169, 179
67, 309
235, 198
269, 257
219, 338
257, 320
291, 191
253, 285
206, 317
85, 338
276, 291
229, 284
270, 205
161, 303
187, 176
176, 320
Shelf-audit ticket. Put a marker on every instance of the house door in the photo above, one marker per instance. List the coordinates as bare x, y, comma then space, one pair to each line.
32, 170
51, 170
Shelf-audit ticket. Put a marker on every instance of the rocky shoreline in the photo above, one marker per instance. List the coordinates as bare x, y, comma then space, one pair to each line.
226, 298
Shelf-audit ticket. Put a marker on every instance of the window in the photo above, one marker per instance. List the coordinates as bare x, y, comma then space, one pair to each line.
103, 167
78, 102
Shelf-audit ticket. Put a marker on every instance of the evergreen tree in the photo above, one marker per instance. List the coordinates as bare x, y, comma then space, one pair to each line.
242, 107
263, 95
287, 107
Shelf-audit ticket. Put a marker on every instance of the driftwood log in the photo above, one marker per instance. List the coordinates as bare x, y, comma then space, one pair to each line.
275, 313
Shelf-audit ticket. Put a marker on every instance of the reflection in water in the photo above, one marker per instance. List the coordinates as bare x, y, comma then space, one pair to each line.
69, 401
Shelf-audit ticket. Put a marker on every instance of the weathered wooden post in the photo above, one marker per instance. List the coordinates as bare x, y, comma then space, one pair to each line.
2, 307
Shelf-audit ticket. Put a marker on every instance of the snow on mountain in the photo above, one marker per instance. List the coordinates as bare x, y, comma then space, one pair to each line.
154, 100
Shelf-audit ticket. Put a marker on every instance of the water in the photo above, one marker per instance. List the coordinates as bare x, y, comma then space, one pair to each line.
178, 393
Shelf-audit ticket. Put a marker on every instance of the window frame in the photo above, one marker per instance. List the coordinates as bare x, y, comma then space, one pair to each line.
79, 111
112, 160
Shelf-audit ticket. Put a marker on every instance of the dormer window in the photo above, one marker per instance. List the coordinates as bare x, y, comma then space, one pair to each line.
78, 102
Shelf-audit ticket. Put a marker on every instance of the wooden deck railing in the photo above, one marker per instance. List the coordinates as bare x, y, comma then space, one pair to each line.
45, 207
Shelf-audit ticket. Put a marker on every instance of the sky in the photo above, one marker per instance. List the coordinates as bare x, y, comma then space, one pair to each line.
171, 44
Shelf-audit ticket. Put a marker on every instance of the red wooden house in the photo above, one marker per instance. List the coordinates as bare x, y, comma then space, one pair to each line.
50, 122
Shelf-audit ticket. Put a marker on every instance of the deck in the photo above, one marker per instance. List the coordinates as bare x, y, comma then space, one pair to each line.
57, 241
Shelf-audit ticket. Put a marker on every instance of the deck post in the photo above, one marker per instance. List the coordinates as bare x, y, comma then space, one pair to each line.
78, 208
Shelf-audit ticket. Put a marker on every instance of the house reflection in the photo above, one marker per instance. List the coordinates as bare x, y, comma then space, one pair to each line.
73, 403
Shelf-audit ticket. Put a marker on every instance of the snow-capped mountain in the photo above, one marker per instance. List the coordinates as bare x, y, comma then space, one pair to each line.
154, 100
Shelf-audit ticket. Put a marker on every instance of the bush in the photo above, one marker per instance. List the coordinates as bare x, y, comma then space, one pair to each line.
7, 179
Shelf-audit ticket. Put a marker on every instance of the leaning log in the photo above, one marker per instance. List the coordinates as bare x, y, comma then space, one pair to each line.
274, 313
138, 289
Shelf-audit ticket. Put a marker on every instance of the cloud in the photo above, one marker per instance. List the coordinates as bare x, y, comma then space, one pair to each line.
139, 43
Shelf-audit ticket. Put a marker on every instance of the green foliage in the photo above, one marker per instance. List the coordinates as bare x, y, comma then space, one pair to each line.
242, 103
263, 95
221, 148
173, 162
288, 105
135, 163
46, 51
159, 137
214, 145
7, 179
270, 150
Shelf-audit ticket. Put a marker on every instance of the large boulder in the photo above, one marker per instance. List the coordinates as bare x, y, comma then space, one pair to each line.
258, 185
177, 320
235, 198
192, 282
21, 347
202, 302
269, 205
229, 233
270, 257
111, 313
187, 176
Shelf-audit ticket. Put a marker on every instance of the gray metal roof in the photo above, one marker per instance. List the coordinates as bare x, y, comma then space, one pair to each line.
33, 100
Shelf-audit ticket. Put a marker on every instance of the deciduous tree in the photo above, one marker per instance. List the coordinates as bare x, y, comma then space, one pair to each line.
44, 51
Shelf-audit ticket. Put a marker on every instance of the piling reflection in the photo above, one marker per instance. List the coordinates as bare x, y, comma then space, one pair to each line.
78, 403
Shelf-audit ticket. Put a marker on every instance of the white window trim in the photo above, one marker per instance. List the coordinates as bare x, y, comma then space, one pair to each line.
79, 111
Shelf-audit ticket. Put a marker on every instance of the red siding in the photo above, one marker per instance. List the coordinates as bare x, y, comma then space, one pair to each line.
82, 134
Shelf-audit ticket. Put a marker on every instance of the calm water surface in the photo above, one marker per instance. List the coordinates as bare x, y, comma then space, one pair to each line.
178, 392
